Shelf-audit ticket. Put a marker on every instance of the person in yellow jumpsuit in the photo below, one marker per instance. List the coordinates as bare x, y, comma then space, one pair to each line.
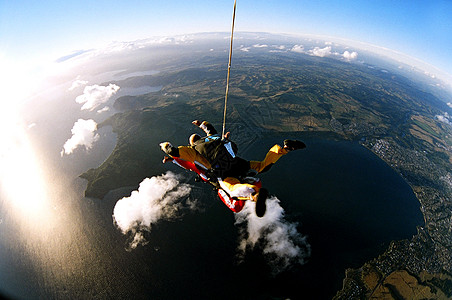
186, 153
249, 191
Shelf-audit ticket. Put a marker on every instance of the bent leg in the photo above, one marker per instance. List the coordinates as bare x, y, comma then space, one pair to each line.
234, 188
272, 157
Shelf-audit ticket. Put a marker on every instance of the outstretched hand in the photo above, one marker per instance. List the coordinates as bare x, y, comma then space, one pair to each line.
166, 147
196, 122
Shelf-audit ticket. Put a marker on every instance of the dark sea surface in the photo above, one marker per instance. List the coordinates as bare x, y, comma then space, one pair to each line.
346, 201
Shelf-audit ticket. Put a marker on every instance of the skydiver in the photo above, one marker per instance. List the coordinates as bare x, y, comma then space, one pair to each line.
218, 156
221, 154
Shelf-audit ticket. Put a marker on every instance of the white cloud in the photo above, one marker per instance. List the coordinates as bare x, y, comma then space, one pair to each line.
106, 108
444, 118
260, 46
279, 47
321, 52
95, 95
83, 134
449, 104
298, 49
281, 242
156, 199
350, 55
245, 49
77, 83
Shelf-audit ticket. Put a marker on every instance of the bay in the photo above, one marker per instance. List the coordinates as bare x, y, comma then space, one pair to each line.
349, 203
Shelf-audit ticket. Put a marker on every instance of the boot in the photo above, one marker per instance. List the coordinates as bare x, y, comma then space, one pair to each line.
294, 145
260, 198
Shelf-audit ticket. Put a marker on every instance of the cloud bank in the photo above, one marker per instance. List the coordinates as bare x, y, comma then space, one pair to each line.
83, 134
160, 198
95, 95
281, 242
325, 52
157, 198
449, 104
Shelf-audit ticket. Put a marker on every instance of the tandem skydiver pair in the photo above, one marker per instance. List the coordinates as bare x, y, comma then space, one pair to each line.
216, 161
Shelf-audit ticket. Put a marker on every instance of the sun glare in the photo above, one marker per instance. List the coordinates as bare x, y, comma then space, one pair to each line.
21, 176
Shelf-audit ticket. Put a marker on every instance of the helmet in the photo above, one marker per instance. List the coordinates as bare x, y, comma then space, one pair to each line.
193, 138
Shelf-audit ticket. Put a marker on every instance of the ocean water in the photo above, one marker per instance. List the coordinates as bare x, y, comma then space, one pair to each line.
346, 201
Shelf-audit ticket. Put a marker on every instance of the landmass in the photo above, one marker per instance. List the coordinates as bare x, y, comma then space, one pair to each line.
384, 111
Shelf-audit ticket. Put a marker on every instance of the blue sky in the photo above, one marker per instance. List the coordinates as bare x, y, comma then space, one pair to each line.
32, 31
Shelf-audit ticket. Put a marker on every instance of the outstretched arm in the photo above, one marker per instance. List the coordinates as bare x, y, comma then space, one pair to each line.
206, 127
185, 153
